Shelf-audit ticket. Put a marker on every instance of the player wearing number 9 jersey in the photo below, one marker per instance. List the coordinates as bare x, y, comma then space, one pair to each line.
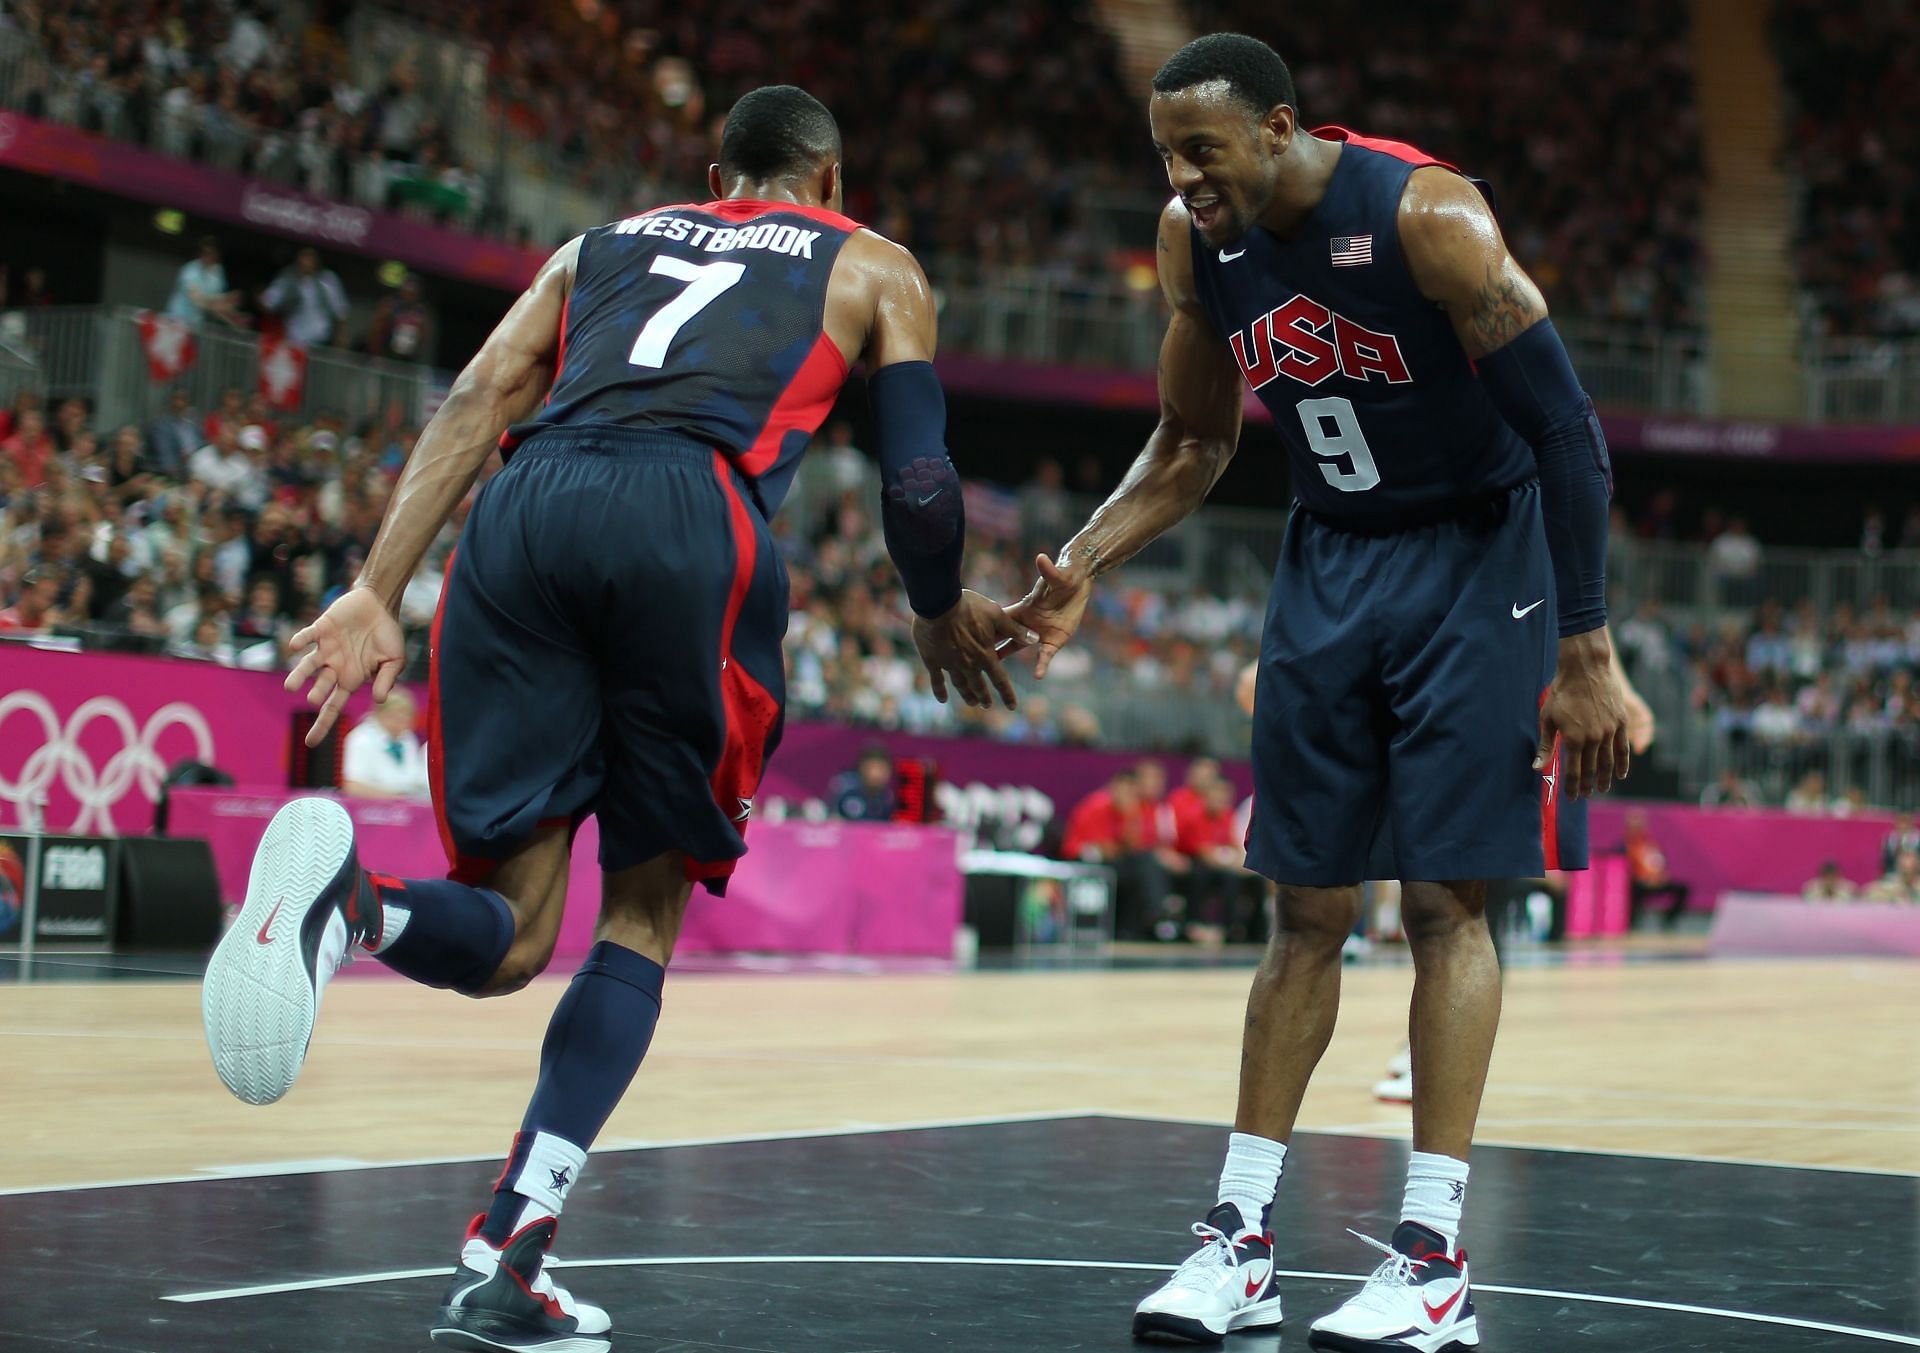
608, 645
1435, 690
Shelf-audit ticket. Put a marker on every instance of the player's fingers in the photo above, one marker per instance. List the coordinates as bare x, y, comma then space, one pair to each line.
1050, 570
1009, 633
383, 681
1543, 754
970, 685
1586, 758
323, 687
1002, 683
1045, 660
303, 669
938, 680
1622, 754
1603, 764
323, 721
303, 638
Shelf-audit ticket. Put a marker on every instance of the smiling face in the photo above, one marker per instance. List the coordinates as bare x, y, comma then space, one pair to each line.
1222, 157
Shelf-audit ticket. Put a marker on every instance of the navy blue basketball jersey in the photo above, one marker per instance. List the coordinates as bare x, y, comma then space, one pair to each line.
706, 321
1383, 418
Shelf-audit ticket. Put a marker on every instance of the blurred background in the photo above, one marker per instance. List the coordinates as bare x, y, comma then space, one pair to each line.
245, 244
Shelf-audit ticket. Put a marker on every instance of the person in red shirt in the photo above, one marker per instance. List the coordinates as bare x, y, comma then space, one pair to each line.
1188, 801
29, 448
1108, 827
39, 591
1223, 896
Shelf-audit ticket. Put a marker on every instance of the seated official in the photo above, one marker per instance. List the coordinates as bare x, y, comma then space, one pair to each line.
382, 757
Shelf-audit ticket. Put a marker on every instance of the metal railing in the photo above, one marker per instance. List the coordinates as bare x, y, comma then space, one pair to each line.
97, 353
1851, 380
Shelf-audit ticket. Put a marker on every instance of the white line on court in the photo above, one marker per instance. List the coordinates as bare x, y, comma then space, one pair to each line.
849, 1129
976, 1261
1401, 1131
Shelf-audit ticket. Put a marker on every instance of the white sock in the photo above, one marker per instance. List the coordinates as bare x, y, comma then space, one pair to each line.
1251, 1175
393, 920
1436, 1190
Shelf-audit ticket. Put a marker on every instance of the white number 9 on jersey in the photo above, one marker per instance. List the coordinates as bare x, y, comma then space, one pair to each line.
1346, 440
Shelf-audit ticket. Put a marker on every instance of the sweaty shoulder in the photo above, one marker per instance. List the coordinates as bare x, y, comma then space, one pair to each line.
879, 303
1458, 258
1446, 226
1174, 256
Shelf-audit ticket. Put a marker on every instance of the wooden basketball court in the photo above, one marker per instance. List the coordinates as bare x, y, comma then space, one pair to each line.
1804, 1062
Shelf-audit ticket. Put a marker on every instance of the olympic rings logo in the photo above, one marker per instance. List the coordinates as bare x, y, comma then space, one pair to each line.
137, 764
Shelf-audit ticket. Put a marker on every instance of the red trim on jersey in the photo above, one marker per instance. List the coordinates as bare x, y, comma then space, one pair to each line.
460, 868
560, 357
746, 704
802, 406
1552, 787
746, 208
1400, 150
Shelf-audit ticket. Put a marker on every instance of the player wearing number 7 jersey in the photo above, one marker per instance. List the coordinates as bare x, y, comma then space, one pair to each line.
608, 644
1435, 691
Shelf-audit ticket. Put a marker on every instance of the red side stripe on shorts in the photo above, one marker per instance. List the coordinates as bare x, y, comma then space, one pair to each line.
748, 709
802, 406
460, 868
1550, 790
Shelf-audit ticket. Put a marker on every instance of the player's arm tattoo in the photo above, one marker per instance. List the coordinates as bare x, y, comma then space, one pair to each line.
1502, 309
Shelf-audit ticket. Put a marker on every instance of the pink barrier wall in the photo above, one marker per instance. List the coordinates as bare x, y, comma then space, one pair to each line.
1747, 849
837, 888
1784, 927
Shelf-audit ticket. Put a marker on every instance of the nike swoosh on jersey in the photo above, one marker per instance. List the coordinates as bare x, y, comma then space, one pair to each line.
1226, 257
1522, 612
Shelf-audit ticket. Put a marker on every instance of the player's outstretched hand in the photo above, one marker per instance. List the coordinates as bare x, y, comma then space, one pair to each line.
1052, 610
1586, 710
964, 646
355, 640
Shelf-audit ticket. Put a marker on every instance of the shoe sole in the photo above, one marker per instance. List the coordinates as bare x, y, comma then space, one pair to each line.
258, 1001
1185, 1329
449, 1337
1466, 1334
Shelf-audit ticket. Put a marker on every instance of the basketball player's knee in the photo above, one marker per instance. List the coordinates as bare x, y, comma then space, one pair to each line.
1321, 917
526, 959
1434, 913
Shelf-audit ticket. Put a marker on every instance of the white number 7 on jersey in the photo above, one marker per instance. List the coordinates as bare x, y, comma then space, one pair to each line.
706, 282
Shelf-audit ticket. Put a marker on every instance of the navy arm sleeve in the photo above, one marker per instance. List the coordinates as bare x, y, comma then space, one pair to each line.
920, 507
1531, 383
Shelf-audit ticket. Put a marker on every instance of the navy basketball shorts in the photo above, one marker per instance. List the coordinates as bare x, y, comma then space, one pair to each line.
608, 643
1396, 714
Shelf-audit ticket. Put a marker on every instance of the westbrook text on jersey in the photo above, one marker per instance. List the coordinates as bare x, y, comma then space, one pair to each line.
778, 239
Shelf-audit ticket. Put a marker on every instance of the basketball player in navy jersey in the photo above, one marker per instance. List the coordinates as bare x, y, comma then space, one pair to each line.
609, 643
1436, 693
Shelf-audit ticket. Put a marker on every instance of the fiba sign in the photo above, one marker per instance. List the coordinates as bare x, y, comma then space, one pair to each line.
75, 868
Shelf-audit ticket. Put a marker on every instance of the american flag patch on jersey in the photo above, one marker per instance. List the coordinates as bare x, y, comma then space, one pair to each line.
1350, 251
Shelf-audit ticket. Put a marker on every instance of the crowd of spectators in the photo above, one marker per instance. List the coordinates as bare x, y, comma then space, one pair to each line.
851, 659
234, 84
977, 132
218, 533
206, 533
1586, 129
1853, 143
1179, 860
